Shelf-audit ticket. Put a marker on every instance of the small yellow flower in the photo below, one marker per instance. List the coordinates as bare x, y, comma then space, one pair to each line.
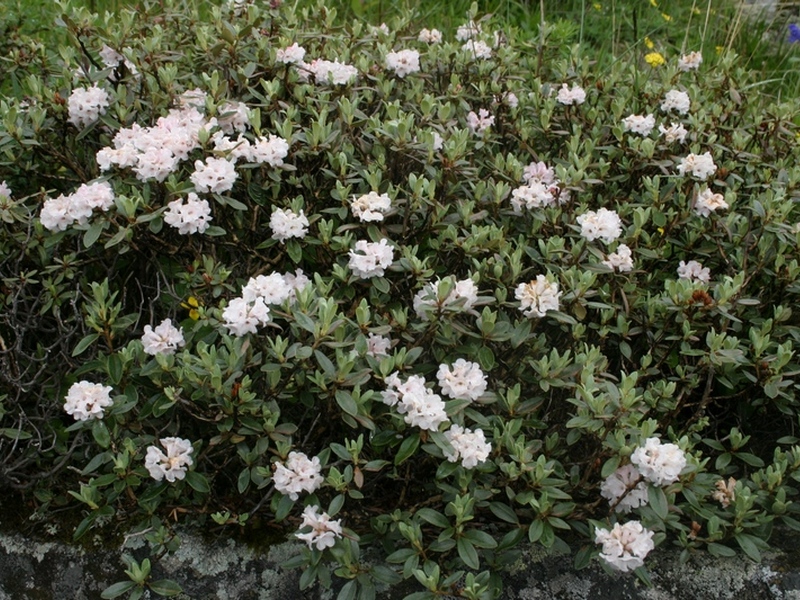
192, 304
697, 11
666, 17
654, 3
654, 59
649, 43
597, 6
720, 49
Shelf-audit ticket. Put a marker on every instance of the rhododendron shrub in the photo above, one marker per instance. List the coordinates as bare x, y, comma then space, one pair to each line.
432, 292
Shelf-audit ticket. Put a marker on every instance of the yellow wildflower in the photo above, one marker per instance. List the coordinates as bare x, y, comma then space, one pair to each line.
666, 17
654, 3
654, 59
192, 304
720, 49
649, 43
597, 6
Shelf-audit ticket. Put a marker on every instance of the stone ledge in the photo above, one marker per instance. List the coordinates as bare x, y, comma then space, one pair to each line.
227, 570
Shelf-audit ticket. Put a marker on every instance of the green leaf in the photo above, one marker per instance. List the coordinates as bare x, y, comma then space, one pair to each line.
325, 363
93, 233
658, 501
583, 557
486, 358
197, 482
749, 545
345, 401
114, 368
433, 517
100, 434
284, 508
244, 480
165, 587
349, 591
117, 589
480, 539
381, 284
85, 343
294, 250
720, 550
215, 231
535, 531
468, 554
504, 512
407, 448
15, 434
385, 575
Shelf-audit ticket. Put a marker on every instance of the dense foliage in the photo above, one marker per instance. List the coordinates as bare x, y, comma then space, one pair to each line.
431, 294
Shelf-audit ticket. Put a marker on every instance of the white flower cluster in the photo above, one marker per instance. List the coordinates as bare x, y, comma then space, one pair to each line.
239, 7
173, 464
470, 446
676, 132
700, 165
215, 175
422, 408
369, 259
59, 213
708, 202
462, 297
286, 224
86, 400
676, 100
164, 339
192, 217
371, 207
538, 296
640, 124
233, 117
541, 189
625, 489
327, 72
242, 317
478, 123
268, 150
155, 152
299, 474
468, 31
660, 464
250, 311
292, 55
625, 546
324, 530
112, 59
477, 49
378, 345
694, 271
430, 36
602, 224
508, 98
690, 62
5, 191
403, 62
85, 105
568, 97
463, 381
621, 260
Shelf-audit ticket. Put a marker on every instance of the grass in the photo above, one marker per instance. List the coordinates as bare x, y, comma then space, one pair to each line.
608, 29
